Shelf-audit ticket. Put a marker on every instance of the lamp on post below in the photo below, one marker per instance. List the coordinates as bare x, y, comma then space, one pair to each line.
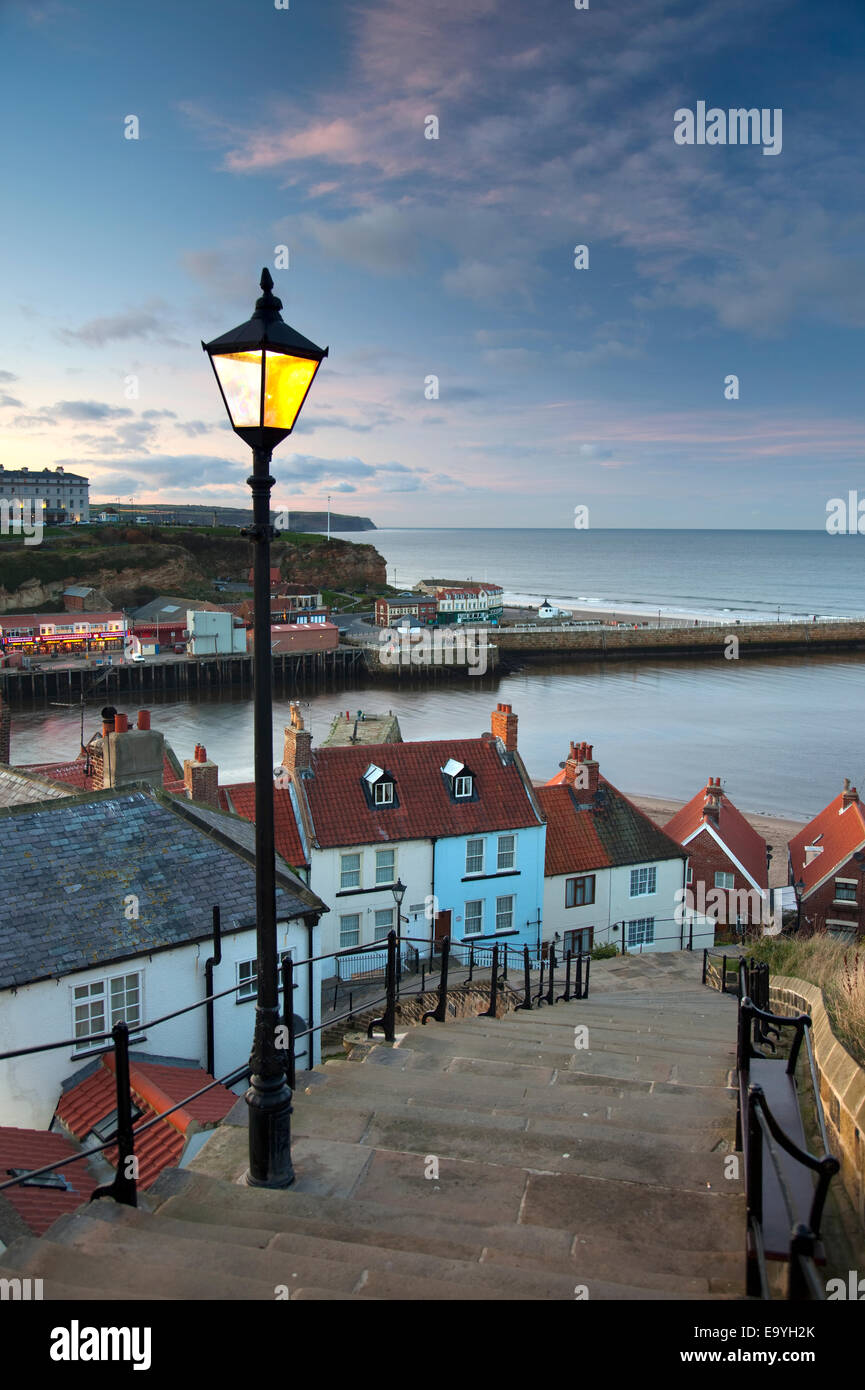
799, 889
399, 890
264, 370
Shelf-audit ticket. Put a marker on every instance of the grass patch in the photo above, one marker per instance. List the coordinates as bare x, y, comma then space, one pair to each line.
838, 969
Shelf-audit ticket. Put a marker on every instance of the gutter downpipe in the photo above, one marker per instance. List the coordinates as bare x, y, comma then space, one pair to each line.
215, 959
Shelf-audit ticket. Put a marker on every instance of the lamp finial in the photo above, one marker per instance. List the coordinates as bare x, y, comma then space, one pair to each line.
268, 306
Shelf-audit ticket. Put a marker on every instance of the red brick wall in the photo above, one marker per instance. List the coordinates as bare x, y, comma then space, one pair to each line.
706, 859
818, 906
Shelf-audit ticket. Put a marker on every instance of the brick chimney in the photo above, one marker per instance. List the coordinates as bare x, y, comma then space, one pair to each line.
712, 802
5, 730
201, 778
849, 794
504, 726
129, 755
297, 750
581, 769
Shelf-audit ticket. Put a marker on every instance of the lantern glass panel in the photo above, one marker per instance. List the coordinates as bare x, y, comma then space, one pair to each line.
239, 376
287, 380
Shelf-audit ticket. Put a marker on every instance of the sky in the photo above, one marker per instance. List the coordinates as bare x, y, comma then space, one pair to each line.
476, 376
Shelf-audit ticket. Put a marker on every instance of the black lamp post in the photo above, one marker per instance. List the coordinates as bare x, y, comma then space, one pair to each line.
398, 889
264, 370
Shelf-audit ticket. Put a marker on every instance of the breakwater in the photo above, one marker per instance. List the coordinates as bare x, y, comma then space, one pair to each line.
724, 639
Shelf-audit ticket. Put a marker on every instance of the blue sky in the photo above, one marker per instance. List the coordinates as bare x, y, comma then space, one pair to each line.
412, 257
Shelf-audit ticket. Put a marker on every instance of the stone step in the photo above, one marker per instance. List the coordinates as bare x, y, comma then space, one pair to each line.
346, 1115
680, 1272
148, 1244
544, 1026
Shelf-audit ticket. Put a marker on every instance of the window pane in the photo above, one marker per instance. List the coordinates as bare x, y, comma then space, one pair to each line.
474, 917
349, 930
504, 914
349, 876
383, 922
384, 865
475, 857
506, 851
247, 979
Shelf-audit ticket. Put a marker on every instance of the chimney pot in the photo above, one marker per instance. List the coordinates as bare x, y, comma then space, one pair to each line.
144, 719
121, 723
201, 754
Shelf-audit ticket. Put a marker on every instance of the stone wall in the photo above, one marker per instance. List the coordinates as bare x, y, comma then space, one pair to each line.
708, 641
842, 1083
464, 1001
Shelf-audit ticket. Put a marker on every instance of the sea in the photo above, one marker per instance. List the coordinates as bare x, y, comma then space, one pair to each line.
781, 731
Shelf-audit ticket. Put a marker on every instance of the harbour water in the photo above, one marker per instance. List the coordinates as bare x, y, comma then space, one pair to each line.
781, 731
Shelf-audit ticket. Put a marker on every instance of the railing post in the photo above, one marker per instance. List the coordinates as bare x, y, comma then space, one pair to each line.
471, 962
754, 1192
288, 1018
585, 990
527, 983
691, 933
540, 994
802, 1241
552, 984
123, 1187
439, 1013
505, 966
567, 994
494, 986
388, 1019
705, 958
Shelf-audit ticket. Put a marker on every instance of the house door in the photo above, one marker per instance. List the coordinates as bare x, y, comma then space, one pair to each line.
576, 941
442, 927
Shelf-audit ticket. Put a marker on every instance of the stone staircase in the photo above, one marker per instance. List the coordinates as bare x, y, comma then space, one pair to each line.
479, 1159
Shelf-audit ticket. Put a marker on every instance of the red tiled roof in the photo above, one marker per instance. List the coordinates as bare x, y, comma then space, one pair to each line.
842, 832
239, 797
39, 1207
737, 834
586, 832
63, 617
342, 816
155, 1088
74, 773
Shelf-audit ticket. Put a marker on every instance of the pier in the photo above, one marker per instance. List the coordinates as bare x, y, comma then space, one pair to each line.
336, 669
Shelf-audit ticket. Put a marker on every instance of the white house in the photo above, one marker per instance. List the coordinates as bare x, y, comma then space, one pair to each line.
213, 633
611, 876
106, 914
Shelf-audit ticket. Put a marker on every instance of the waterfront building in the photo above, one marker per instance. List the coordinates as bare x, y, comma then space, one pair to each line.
727, 856
113, 895
389, 611
470, 603
66, 495
457, 820
302, 636
827, 865
214, 633
38, 634
612, 877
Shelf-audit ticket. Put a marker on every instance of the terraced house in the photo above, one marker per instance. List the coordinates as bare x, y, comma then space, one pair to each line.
612, 875
456, 820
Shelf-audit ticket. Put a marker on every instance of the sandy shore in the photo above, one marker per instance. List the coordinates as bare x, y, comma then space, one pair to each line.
774, 829
608, 615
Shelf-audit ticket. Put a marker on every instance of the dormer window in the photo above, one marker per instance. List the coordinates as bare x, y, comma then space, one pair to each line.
460, 781
379, 786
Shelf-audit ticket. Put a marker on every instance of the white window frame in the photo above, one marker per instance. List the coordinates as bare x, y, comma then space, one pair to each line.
508, 912
473, 917
463, 785
380, 931
723, 874
648, 874
383, 793
347, 945
345, 873
391, 873
503, 868
476, 840
641, 932
100, 992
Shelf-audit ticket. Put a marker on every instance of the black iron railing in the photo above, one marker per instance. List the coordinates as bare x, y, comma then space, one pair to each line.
760, 1136
453, 960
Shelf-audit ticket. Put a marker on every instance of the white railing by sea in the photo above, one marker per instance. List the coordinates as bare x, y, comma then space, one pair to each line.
723, 624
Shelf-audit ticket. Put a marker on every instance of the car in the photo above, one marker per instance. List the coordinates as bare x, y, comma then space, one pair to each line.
134, 656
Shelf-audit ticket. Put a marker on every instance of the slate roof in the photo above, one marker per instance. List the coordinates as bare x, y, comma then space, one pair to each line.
66, 867
839, 832
155, 1088
600, 832
76, 774
18, 788
737, 834
39, 1207
341, 814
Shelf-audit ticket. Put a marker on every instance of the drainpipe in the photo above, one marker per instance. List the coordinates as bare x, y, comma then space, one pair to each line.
215, 959
684, 900
433, 839
310, 939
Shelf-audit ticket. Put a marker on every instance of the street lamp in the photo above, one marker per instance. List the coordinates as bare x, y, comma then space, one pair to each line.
798, 889
264, 370
398, 889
